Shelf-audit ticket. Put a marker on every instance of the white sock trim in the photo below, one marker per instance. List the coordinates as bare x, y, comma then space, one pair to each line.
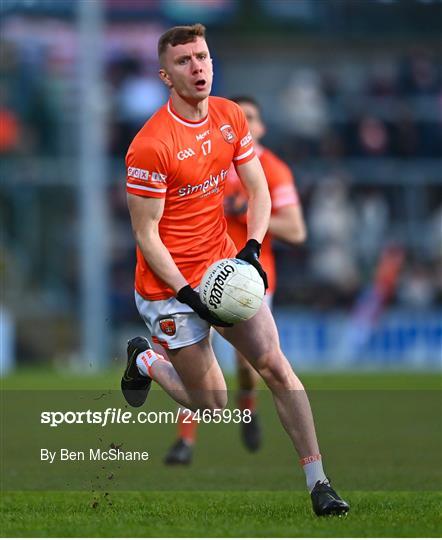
314, 472
145, 361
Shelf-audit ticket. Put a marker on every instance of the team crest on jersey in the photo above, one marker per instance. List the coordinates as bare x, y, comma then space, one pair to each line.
168, 327
228, 133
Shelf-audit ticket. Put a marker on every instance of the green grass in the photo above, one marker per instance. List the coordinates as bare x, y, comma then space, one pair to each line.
380, 433
46, 378
227, 514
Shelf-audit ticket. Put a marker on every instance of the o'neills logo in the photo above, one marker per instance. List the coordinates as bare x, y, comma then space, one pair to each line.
216, 291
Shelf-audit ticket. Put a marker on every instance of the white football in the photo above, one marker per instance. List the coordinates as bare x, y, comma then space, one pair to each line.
232, 289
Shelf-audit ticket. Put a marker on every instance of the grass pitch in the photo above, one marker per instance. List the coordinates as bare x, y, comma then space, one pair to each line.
215, 514
213, 498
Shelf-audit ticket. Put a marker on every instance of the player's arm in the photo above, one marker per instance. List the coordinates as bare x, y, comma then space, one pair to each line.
145, 214
258, 214
287, 220
287, 224
259, 204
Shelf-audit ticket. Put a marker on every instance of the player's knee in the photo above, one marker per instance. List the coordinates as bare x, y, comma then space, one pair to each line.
216, 401
221, 401
275, 369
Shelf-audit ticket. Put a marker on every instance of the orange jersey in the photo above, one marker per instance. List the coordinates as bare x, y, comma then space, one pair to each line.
186, 163
282, 192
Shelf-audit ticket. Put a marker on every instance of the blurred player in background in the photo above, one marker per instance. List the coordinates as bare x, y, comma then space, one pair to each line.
177, 165
287, 224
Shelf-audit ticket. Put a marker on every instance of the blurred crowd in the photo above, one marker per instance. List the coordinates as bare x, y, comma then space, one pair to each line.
390, 109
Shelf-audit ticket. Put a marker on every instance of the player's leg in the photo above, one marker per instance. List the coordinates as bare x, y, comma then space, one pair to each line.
181, 451
201, 374
257, 339
248, 378
192, 375
137, 378
197, 368
251, 433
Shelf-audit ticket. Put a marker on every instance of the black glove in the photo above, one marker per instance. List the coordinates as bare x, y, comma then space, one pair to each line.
250, 253
188, 296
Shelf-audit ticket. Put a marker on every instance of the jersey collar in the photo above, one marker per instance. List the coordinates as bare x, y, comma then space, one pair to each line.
184, 121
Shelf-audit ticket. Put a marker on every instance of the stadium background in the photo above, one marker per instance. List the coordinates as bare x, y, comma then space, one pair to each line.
351, 93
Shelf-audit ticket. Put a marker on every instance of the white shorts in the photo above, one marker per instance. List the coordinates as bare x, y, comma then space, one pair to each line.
173, 324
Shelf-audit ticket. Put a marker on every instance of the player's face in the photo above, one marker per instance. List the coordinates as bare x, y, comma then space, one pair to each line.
256, 125
188, 70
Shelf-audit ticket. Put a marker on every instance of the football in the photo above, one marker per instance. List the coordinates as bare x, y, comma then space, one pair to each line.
232, 289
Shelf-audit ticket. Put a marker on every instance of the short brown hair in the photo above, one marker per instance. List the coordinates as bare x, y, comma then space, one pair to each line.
179, 35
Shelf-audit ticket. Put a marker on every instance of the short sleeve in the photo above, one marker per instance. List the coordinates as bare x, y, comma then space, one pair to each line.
147, 168
244, 150
281, 183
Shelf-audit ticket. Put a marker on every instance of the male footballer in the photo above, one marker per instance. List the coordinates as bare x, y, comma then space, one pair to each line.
287, 224
176, 170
